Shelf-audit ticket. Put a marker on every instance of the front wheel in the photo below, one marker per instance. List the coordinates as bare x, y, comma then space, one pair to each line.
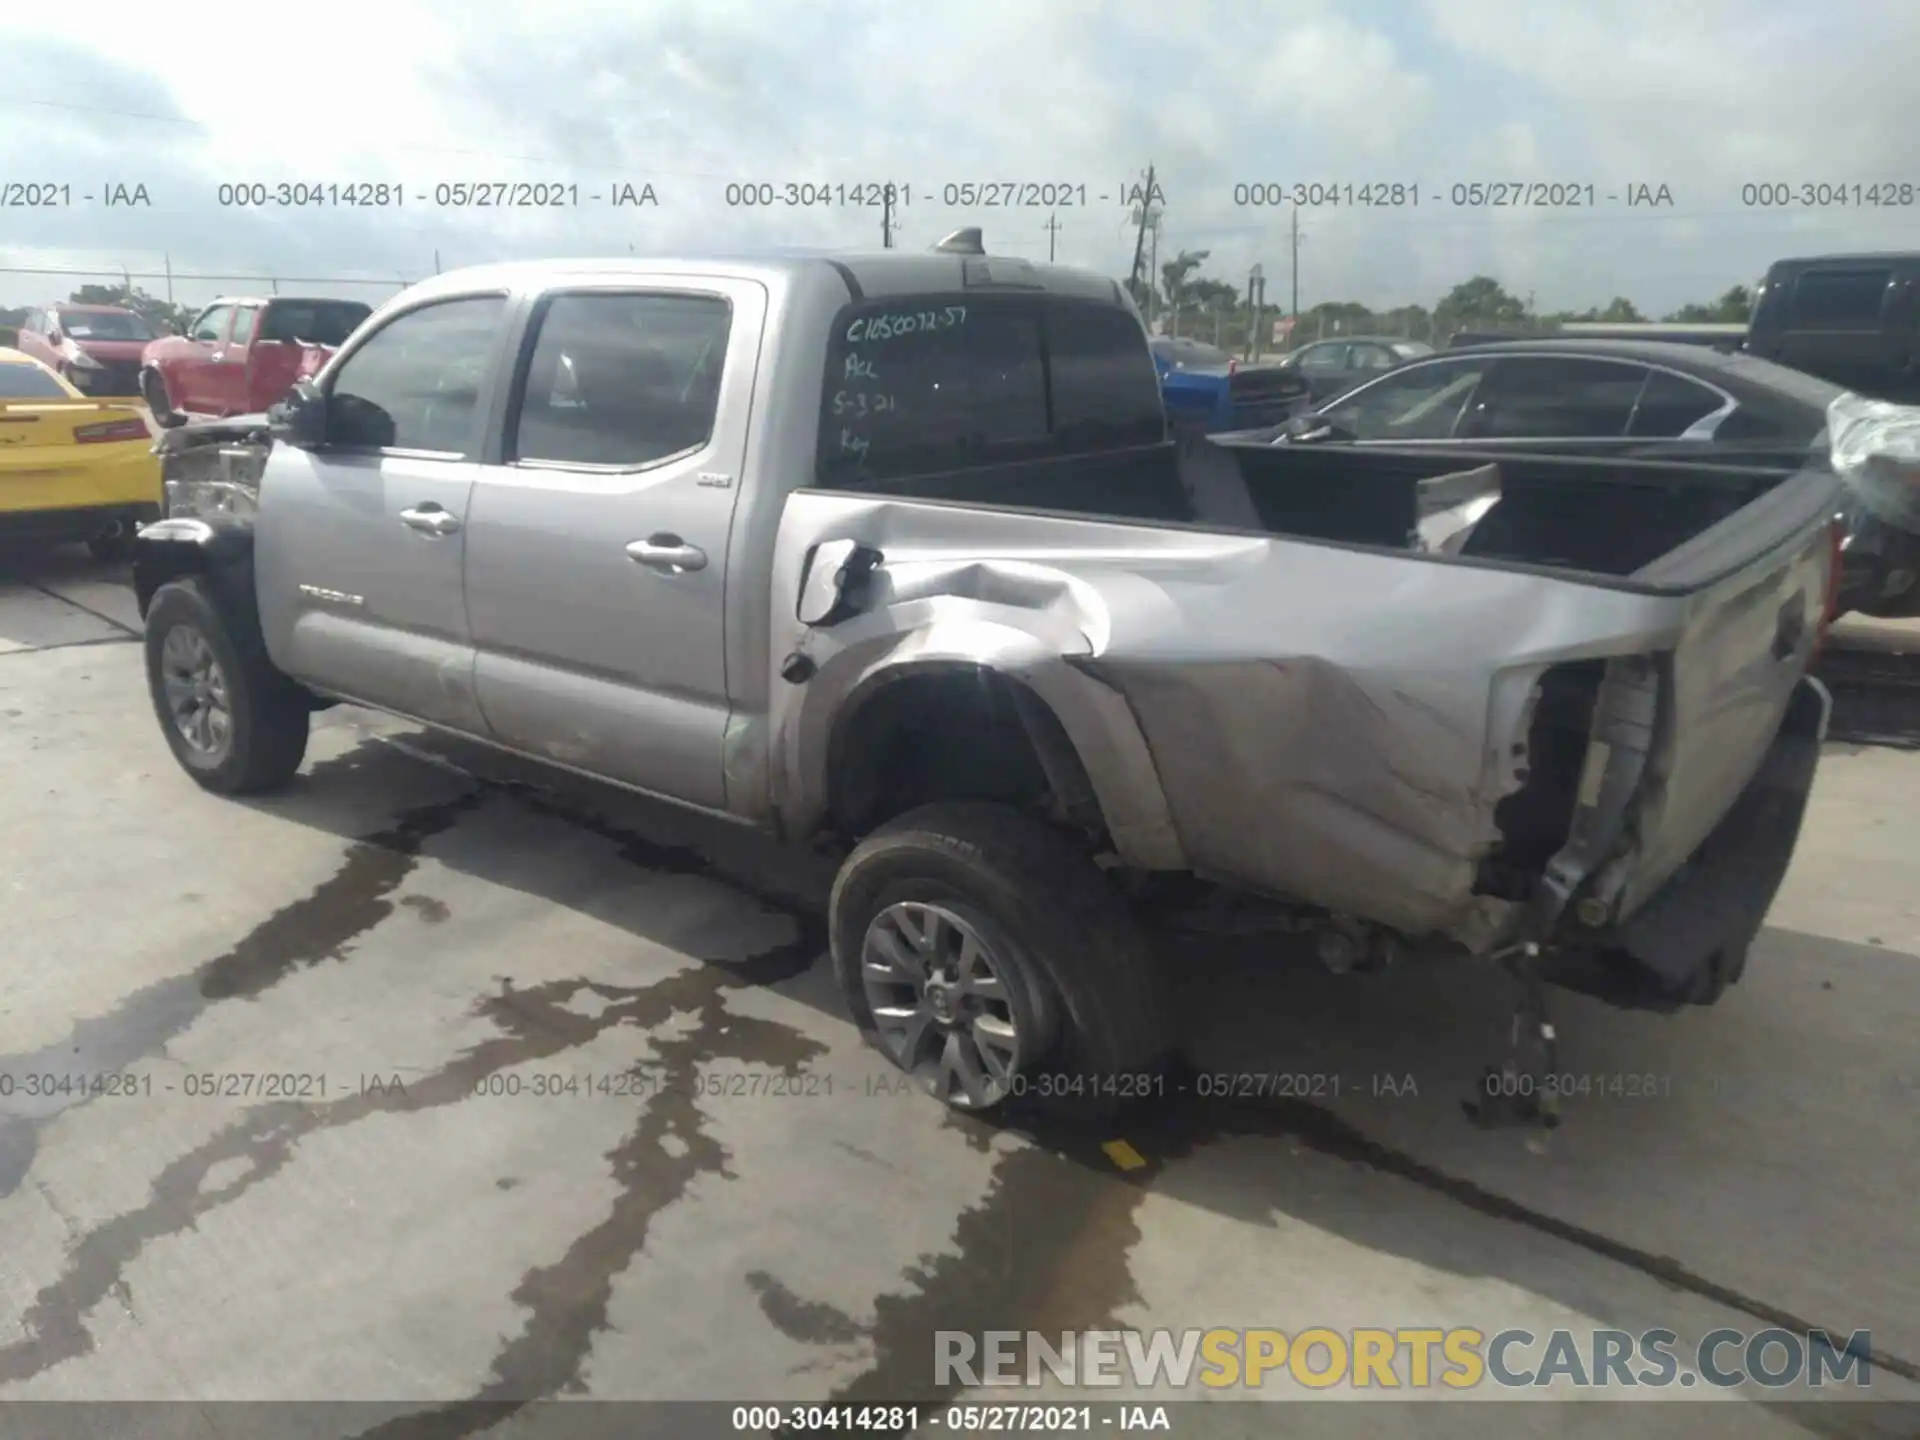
153, 390
986, 955
236, 725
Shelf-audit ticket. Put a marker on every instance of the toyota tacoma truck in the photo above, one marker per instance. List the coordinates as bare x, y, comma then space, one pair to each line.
241, 355
895, 555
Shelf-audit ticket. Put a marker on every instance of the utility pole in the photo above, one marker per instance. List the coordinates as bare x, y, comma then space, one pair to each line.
886, 217
1052, 227
1295, 311
436, 262
168, 259
1153, 270
1142, 217
1256, 294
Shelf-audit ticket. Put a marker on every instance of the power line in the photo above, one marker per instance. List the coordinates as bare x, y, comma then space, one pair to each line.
131, 275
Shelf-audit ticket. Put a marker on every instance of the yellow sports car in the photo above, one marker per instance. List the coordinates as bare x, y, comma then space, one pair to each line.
72, 468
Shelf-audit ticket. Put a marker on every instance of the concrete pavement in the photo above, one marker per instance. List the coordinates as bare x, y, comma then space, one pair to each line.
437, 1080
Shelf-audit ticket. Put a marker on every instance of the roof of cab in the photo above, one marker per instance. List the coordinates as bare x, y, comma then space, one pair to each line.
872, 274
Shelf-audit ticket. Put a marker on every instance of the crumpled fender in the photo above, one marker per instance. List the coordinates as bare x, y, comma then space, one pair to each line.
940, 617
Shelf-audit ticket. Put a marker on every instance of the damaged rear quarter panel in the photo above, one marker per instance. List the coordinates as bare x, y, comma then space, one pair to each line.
1330, 725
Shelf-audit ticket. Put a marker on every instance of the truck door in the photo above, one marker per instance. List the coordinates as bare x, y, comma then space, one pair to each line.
597, 546
226, 373
189, 377
359, 545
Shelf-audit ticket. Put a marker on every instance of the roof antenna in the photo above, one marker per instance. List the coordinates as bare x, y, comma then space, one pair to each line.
963, 242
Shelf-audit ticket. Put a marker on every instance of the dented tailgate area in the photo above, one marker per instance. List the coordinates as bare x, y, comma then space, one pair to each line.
1473, 753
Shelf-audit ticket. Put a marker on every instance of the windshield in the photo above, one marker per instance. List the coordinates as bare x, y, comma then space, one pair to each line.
19, 381
104, 325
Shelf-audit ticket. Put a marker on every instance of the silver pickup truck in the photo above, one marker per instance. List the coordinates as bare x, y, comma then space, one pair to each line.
896, 555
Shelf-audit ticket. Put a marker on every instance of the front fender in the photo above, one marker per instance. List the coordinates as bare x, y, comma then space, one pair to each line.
219, 553
856, 660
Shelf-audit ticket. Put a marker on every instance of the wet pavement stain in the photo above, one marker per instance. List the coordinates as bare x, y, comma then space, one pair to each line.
1046, 1249
339, 911
317, 927
568, 1299
430, 910
808, 1321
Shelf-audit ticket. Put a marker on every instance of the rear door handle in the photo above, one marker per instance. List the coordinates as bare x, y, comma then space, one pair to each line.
667, 552
430, 520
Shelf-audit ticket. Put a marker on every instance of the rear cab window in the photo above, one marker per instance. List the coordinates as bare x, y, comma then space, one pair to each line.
1837, 299
1022, 400
28, 382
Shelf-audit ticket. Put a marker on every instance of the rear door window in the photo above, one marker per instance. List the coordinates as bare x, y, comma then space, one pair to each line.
1324, 359
1670, 405
622, 379
1839, 299
1550, 397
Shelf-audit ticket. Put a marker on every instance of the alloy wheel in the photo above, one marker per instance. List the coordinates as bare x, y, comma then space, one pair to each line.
942, 1002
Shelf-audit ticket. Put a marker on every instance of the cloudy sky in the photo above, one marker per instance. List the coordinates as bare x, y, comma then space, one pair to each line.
1701, 96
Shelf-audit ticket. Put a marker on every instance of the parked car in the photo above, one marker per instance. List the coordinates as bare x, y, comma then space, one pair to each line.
1210, 391
1718, 336
1852, 319
1637, 397
94, 348
1332, 367
893, 554
241, 355
71, 467
1594, 392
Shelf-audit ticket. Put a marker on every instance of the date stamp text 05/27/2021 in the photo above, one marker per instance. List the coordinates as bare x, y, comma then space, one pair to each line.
644, 1080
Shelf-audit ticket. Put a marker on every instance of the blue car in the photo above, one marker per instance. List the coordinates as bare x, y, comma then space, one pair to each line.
1205, 388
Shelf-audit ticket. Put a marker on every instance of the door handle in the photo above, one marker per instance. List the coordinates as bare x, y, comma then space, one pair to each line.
430, 520
667, 552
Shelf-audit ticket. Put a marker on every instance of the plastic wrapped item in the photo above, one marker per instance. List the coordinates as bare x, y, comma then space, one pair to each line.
1875, 450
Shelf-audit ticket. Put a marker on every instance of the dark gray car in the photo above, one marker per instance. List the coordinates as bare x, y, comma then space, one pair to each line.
1332, 367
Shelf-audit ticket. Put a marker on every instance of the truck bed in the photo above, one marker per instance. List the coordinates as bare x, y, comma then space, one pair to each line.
1340, 712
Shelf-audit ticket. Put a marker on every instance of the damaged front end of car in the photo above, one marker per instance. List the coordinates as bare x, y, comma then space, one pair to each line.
213, 467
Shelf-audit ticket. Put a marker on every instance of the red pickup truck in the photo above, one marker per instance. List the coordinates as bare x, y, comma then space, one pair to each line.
243, 354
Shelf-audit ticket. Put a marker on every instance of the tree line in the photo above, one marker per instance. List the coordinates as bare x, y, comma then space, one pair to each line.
1194, 305
1188, 303
158, 313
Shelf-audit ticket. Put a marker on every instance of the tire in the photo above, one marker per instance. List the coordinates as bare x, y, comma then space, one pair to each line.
114, 549
153, 390
267, 717
1081, 984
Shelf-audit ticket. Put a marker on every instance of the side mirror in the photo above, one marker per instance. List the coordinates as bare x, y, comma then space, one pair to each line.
836, 581
300, 420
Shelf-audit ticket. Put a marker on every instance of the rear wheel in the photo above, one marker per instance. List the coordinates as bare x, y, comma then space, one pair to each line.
235, 724
986, 955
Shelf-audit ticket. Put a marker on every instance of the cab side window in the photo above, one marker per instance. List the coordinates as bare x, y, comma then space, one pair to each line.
622, 380
211, 328
416, 383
